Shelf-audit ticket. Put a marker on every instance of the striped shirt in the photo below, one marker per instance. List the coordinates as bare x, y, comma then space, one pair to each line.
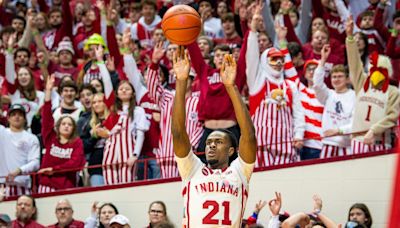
313, 111
165, 99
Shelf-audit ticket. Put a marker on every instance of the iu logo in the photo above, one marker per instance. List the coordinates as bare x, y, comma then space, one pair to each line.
205, 171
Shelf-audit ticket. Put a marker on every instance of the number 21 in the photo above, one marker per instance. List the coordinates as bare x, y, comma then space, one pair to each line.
209, 218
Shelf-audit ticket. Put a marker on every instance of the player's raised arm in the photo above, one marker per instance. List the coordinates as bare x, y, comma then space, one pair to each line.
181, 66
247, 142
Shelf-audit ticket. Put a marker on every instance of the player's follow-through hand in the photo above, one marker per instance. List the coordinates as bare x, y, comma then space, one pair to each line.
181, 63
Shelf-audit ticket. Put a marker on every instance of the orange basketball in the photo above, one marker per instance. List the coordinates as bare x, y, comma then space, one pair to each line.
181, 24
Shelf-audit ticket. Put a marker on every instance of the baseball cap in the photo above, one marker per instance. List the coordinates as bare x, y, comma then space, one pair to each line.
310, 61
273, 52
16, 107
120, 219
5, 218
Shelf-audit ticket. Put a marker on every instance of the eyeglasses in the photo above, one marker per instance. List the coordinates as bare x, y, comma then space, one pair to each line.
273, 61
60, 209
156, 212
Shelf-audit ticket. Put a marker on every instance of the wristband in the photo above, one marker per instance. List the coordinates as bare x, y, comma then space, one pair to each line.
350, 38
10, 50
35, 32
99, 62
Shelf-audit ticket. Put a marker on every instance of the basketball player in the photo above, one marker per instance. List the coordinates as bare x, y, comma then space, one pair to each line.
377, 103
215, 194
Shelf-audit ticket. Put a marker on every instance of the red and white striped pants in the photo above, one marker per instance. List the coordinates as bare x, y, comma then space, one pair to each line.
269, 156
45, 189
15, 190
358, 147
329, 151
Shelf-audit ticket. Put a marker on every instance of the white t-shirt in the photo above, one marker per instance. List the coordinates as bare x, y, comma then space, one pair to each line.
18, 150
213, 197
213, 28
31, 107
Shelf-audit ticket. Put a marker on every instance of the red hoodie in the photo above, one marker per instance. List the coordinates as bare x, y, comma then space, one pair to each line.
59, 156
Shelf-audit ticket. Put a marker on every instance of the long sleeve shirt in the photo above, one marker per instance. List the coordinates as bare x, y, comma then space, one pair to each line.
59, 156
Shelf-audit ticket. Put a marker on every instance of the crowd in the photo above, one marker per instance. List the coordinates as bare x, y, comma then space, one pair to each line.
91, 82
107, 215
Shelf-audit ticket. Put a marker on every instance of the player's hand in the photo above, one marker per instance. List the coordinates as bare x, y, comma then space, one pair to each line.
317, 203
46, 171
131, 161
331, 132
259, 206
181, 64
99, 52
275, 204
369, 138
349, 26
228, 70
326, 50
158, 52
298, 143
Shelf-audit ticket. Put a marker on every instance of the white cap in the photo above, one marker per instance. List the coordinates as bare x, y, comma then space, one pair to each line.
65, 44
120, 219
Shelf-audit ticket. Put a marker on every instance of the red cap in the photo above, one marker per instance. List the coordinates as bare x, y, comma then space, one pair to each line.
273, 52
310, 61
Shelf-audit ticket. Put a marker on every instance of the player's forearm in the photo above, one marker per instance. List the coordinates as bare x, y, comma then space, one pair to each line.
181, 140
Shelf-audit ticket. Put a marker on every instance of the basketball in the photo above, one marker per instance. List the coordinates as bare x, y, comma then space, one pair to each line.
181, 24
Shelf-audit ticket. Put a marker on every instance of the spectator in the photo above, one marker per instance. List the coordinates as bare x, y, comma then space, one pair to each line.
26, 214
19, 153
362, 44
211, 25
157, 214
164, 98
64, 213
64, 149
253, 218
206, 45
5, 221
338, 107
313, 110
104, 213
68, 91
119, 221
94, 144
143, 98
359, 213
222, 8
269, 90
231, 37
126, 115
144, 28
377, 102
21, 87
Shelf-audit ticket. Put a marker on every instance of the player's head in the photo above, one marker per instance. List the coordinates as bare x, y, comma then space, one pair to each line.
221, 144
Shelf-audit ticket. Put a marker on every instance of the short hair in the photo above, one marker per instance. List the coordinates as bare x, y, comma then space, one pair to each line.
7, 29
367, 13
70, 84
294, 48
232, 138
365, 209
149, 2
228, 17
54, 10
340, 68
17, 17
87, 87
324, 30
222, 47
22, 49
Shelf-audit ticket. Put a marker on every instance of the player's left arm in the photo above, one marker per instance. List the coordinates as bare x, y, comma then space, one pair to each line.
247, 143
